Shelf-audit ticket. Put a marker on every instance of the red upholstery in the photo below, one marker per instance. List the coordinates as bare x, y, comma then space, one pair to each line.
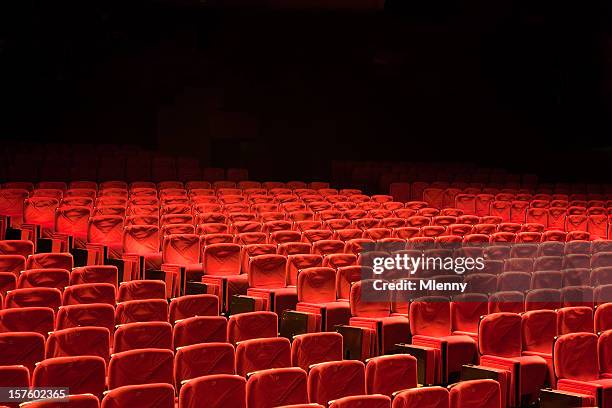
89, 293
21, 348
314, 348
202, 359
214, 391
95, 314
82, 374
157, 395
261, 354
94, 274
142, 335
142, 366
50, 260
252, 325
575, 319
389, 374
426, 397
476, 393
465, 312
275, 387
335, 379
44, 278
34, 297
79, 341
193, 305
362, 401
149, 310
27, 319
141, 290
200, 329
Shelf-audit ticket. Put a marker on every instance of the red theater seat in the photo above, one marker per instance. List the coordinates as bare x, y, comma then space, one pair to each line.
200, 329
275, 387
141, 290
574, 320
27, 319
262, 354
500, 347
193, 305
142, 335
44, 278
426, 397
362, 401
89, 293
79, 341
476, 393
146, 395
214, 391
21, 348
577, 369
82, 374
336, 379
34, 297
313, 348
95, 314
253, 325
222, 268
148, 310
197, 360
142, 366
389, 374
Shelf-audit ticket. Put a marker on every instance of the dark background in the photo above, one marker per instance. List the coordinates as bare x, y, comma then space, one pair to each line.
525, 84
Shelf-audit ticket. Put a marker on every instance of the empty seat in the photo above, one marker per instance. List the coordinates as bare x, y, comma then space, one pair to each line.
44, 278
21, 348
82, 374
79, 341
252, 325
425, 397
157, 395
214, 391
27, 319
222, 267
142, 335
577, 369
574, 320
389, 374
362, 401
200, 329
193, 305
313, 348
538, 299
197, 360
141, 290
262, 354
89, 293
336, 379
508, 301
476, 393
95, 314
538, 331
500, 346
94, 274
149, 310
50, 260
34, 297
140, 367
465, 312
277, 387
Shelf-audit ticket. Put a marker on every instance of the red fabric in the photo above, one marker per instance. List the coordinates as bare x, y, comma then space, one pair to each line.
200, 329
50, 260
214, 391
106, 230
34, 297
314, 348
426, 397
507, 301
45, 278
262, 354
574, 319
94, 274
99, 315
181, 249
267, 271
430, 316
40, 211
193, 305
363, 308
500, 335
12, 263
346, 276
296, 263
575, 357
140, 239
141, 289
79, 341
363, 401
465, 312
203, 359
603, 317
272, 388
73, 220
145, 395
337, 379
389, 374
82, 375
89, 293
604, 348
325, 247
21, 348
149, 310
538, 299
142, 335
539, 328
476, 393
316, 285
252, 325
14, 376
140, 367
222, 259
